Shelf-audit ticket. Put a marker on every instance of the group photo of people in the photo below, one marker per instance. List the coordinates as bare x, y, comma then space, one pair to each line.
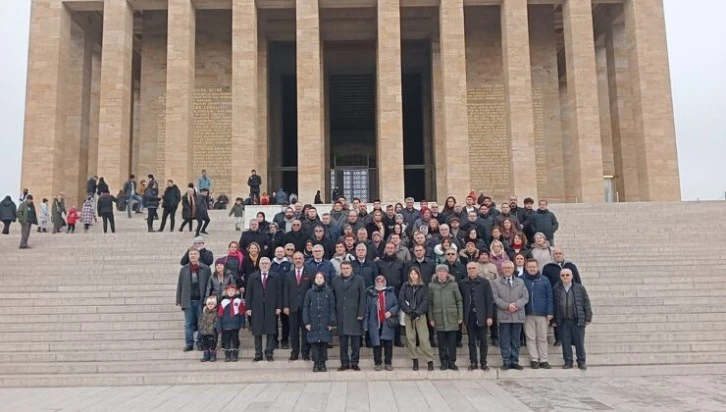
422, 278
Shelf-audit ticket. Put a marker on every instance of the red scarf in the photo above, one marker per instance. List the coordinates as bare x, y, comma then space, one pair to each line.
381, 306
195, 268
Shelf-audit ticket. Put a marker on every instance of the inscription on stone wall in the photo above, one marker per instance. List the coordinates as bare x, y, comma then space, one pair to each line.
213, 135
488, 143
212, 138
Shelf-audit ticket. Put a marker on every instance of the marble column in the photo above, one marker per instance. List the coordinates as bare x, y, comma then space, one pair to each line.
114, 129
310, 106
245, 85
652, 100
518, 92
625, 145
78, 105
180, 83
390, 102
454, 100
48, 57
587, 168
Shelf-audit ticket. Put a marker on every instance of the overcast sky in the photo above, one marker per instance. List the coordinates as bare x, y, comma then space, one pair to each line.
697, 46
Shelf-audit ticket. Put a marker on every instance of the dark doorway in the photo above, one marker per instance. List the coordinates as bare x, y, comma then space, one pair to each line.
352, 117
414, 157
289, 134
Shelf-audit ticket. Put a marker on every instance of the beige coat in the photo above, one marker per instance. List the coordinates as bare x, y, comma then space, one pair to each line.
504, 295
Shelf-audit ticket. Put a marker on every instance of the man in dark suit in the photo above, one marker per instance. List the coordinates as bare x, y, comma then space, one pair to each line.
296, 283
264, 302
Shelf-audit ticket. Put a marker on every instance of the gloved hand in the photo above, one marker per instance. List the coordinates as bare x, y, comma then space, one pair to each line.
414, 315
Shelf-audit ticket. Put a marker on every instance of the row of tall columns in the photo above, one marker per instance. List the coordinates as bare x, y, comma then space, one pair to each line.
51, 124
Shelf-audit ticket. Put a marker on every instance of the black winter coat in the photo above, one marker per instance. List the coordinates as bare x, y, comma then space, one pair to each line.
105, 204
350, 304
583, 310
151, 195
202, 207
427, 269
8, 210
457, 270
249, 236
552, 272
205, 256
546, 222
263, 301
91, 186
296, 238
171, 198
292, 293
414, 298
318, 311
392, 268
367, 270
483, 299
102, 187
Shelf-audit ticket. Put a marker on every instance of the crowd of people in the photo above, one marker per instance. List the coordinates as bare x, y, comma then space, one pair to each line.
432, 274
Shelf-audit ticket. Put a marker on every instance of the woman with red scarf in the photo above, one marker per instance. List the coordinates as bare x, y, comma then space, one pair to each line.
380, 321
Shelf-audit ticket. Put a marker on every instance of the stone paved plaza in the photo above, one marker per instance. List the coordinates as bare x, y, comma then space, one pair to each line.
691, 393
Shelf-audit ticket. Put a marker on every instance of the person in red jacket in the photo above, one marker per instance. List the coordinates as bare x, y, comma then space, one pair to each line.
71, 219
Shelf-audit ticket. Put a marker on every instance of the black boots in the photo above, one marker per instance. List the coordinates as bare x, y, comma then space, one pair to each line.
228, 355
415, 364
205, 357
213, 355
234, 355
319, 367
430, 365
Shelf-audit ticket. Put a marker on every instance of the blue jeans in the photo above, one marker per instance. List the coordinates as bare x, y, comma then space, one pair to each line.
572, 334
509, 342
192, 314
130, 200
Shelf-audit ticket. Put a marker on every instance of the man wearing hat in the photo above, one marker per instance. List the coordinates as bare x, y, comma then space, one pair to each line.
205, 255
446, 313
27, 218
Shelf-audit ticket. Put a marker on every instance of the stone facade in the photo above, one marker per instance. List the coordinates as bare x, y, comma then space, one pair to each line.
542, 100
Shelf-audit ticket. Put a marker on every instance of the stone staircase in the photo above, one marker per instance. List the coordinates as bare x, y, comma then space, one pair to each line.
95, 309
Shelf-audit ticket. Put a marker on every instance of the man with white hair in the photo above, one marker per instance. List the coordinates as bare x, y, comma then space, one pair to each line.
263, 299
319, 264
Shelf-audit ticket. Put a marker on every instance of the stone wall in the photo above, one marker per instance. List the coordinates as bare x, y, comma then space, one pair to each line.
488, 145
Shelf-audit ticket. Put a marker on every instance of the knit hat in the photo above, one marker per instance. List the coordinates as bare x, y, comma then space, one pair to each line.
442, 267
220, 261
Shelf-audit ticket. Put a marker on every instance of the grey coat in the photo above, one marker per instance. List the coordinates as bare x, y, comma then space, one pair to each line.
505, 295
184, 284
350, 303
216, 287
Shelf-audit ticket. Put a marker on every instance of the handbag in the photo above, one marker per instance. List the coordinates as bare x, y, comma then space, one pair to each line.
401, 318
392, 322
